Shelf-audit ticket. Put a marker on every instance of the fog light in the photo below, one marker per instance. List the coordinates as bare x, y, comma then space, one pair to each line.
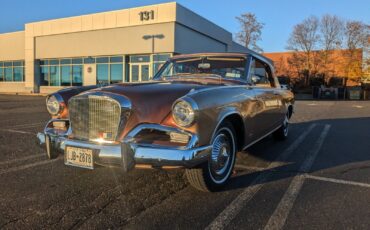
179, 137
59, 125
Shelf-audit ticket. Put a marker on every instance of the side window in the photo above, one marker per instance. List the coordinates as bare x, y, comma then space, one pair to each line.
260, 74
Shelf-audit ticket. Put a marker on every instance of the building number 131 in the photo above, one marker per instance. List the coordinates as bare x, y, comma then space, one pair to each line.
146, 15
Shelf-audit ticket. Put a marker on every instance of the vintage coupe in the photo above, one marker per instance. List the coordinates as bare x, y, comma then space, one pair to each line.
197, 113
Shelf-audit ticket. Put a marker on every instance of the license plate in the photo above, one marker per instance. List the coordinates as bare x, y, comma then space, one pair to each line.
79, 157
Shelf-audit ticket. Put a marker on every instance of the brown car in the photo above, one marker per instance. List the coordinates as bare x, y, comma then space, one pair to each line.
197, 112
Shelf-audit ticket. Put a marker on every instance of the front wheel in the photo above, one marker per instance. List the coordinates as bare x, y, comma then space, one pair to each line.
282, 132
214, 174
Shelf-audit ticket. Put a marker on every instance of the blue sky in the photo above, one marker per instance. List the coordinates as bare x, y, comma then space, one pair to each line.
279, 16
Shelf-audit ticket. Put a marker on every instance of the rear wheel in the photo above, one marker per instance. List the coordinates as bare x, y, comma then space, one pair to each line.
214, 174
283, 131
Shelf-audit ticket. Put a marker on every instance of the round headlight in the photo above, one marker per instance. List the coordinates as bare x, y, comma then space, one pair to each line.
53, 105
183, 113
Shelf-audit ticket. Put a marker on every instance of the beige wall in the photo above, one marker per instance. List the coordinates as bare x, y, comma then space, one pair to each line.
165, 12
12, 46
127, 40
89, 77
190, 41
13, 87
50, 89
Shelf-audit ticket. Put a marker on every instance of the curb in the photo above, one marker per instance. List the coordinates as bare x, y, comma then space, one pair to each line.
24, 94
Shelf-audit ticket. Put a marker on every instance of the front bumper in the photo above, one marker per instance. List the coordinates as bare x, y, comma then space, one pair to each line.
128, 153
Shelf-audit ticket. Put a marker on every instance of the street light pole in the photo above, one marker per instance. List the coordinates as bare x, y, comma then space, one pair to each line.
153, 36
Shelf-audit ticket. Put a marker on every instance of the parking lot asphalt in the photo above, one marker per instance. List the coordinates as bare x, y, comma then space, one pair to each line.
319, 178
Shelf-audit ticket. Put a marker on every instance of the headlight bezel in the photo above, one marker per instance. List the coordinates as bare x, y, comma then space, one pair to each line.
194, 107
58, 100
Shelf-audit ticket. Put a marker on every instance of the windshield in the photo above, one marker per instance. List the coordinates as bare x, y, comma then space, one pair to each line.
209, 66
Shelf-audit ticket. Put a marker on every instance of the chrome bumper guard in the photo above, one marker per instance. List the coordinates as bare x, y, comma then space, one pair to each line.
128, 153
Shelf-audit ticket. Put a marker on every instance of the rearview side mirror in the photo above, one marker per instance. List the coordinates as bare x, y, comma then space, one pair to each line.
204, 65
256, 79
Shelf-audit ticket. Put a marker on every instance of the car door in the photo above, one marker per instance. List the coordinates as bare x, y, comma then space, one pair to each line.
268, 105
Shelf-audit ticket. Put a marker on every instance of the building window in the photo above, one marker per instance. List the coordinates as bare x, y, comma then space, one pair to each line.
109, 70
134, 73
66, 73
89, 60
102, 74
116, 73
61, 72
8, 73
140, 58
44, 75
77, 75
69, 71
12, 71
54, 75
18, 73
1, 73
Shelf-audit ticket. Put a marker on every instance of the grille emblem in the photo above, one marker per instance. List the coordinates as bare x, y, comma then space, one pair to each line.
107, 135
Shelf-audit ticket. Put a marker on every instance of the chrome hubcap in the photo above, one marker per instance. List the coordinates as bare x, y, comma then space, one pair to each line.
221, 153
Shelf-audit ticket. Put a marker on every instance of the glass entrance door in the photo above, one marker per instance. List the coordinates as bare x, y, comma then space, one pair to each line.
139, 72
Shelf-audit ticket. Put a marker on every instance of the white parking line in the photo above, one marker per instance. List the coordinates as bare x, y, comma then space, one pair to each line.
22, 167
229, 213
17, 131
21, 159
26, 125
250, 168
278, 218
338, 181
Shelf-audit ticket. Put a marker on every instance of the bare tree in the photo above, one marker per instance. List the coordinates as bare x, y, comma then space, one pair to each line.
250, 31
356, 40
332, 29
356, 35
305, 38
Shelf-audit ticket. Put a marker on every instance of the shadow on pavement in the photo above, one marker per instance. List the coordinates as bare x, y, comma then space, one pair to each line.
347, 144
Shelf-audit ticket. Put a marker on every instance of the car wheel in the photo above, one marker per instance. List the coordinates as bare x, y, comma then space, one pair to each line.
214, 174
283, 131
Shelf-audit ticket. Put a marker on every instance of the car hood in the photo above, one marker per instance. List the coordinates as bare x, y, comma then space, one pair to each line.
152, 102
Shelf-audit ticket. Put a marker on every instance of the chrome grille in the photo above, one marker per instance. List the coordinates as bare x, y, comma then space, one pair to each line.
94, 117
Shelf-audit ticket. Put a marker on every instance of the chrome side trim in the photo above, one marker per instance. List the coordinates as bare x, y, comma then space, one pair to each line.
192, 92
264, 136
170, 157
